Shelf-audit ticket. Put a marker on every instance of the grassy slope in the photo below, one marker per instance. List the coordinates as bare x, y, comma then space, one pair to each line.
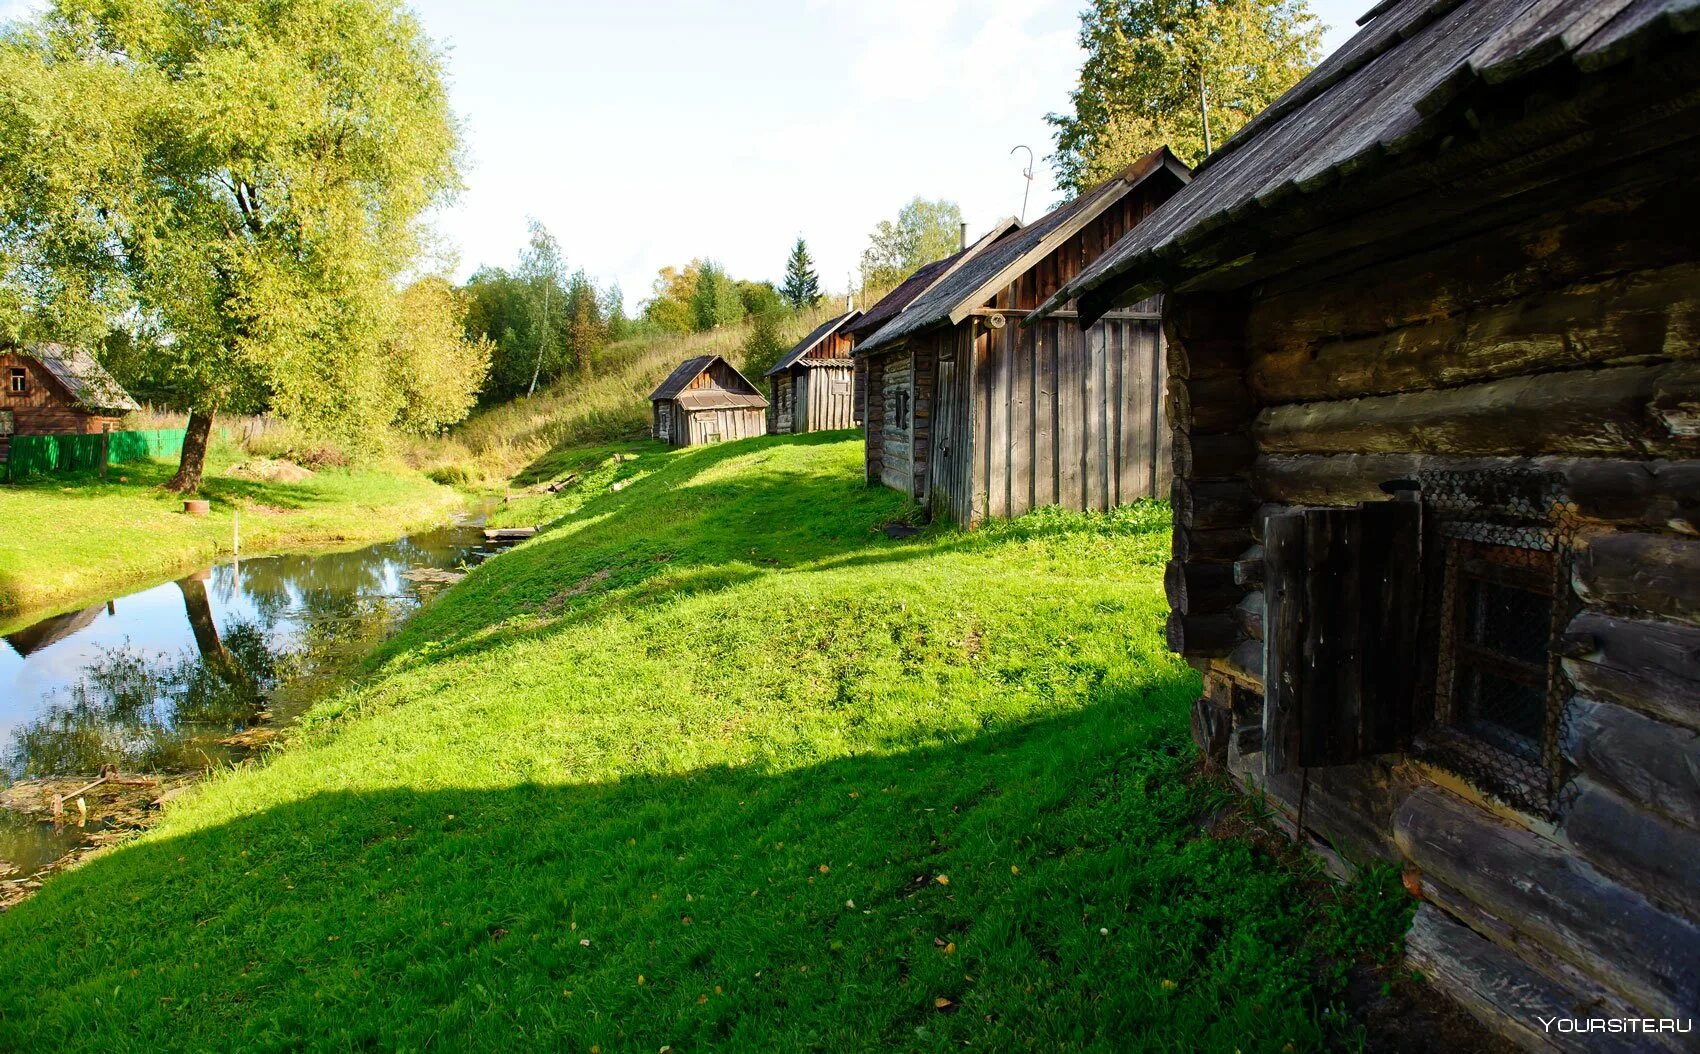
692, 768
69, 539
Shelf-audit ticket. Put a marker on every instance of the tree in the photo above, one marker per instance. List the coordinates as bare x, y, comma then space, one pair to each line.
1182, 73
250, 176
715, 301
801, 287
541, 268
763, 346
758, 298
924, 231
430, 356
587, 329
669, 308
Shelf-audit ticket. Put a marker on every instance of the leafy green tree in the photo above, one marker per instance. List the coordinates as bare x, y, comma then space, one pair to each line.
801, 288
715, 302
1182, 73
764, 345
669, 306
759, 298
587, 329
541, 268
430, 355
924, 231
250, 176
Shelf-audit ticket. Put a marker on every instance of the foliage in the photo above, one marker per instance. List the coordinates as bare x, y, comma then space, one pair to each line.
715, 301
801, 287
923, 231
669, 306
713, 764
763, 346
431, 356
1147, 62
67, 539
249, 177
759, 298
541, 267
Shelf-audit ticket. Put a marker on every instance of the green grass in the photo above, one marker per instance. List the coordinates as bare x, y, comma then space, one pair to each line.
692, 769
73, 539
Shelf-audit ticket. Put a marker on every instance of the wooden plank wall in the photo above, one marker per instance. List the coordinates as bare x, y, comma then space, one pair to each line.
825, 399
1065, 417
739, 423
780, 405
44, 408
871, 372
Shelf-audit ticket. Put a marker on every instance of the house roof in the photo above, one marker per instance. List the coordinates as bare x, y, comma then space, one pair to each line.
978, 279
1382, 94
807, 344
718, 399
687, 371
88, 384
924, 279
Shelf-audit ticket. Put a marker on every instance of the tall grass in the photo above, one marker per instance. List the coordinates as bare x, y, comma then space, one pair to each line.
500, 443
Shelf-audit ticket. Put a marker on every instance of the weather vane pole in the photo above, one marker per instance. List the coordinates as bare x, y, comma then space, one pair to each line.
1027, 174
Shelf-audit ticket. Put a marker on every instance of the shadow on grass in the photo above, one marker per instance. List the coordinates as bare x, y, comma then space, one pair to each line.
731, 907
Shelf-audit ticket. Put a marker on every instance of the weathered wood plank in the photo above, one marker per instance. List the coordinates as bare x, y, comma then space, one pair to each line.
1201, 636
1499, 989
1658, 494
1653, 667
1217, 456
1019, 344
1654, 764
1642, 848
1200, 589
1658, 574
1212, 402
1609, 412
1204, 505
1283, 628
1249, 613
1600, 926
1219, 545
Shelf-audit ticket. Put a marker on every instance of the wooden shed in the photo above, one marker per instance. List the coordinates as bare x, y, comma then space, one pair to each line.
52, 389
814, 383
976, 414
706, 400
1434, 365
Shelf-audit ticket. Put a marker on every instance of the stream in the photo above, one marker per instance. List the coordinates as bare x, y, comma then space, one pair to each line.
187, 675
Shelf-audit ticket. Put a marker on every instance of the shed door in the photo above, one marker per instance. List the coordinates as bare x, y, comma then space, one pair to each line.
1342, 594
664, 422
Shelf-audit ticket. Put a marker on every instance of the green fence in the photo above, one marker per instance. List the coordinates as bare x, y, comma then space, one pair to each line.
54, 455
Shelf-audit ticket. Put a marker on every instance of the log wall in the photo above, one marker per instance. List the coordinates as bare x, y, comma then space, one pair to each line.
1565, 342
896, 442
42, 409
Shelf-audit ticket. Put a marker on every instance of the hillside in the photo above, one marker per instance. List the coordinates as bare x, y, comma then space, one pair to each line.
502, 442
714, 760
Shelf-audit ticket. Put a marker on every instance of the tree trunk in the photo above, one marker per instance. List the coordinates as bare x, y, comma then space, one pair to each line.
194, 460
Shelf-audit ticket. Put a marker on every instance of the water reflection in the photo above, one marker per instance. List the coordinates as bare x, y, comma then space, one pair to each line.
155, 680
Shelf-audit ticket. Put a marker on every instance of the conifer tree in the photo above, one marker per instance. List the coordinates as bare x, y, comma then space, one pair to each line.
801, 287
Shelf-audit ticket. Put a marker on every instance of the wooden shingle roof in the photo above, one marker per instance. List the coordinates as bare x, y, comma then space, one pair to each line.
87, 383
980, 278
1381, 95
924, 279
810, 342
674, 387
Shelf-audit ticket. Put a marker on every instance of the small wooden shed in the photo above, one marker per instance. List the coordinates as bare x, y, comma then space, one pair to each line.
53, 389
706, 400
976, 413
814, 383
1434, 366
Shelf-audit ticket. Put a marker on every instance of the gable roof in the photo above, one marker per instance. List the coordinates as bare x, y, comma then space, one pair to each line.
1382, 94
979, 279
925, 278
87, 383
808, 343
687, 371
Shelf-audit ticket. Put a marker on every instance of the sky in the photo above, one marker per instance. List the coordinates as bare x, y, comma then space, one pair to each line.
643, 134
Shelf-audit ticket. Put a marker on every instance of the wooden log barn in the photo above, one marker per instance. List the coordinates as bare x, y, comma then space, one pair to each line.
1434, 375
814, 386
976, 416
52, 389
706, 400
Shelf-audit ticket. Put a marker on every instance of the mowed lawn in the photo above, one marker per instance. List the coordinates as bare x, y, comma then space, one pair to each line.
715, 764
70, 539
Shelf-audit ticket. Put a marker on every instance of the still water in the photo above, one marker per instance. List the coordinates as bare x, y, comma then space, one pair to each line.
152, 681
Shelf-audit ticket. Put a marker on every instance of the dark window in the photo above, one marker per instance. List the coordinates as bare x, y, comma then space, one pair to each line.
20, 381
902, 409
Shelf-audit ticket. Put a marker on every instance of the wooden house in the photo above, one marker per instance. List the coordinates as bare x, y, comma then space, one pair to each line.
706, 400
814, 382
51, 389
976, 415
1434, 366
